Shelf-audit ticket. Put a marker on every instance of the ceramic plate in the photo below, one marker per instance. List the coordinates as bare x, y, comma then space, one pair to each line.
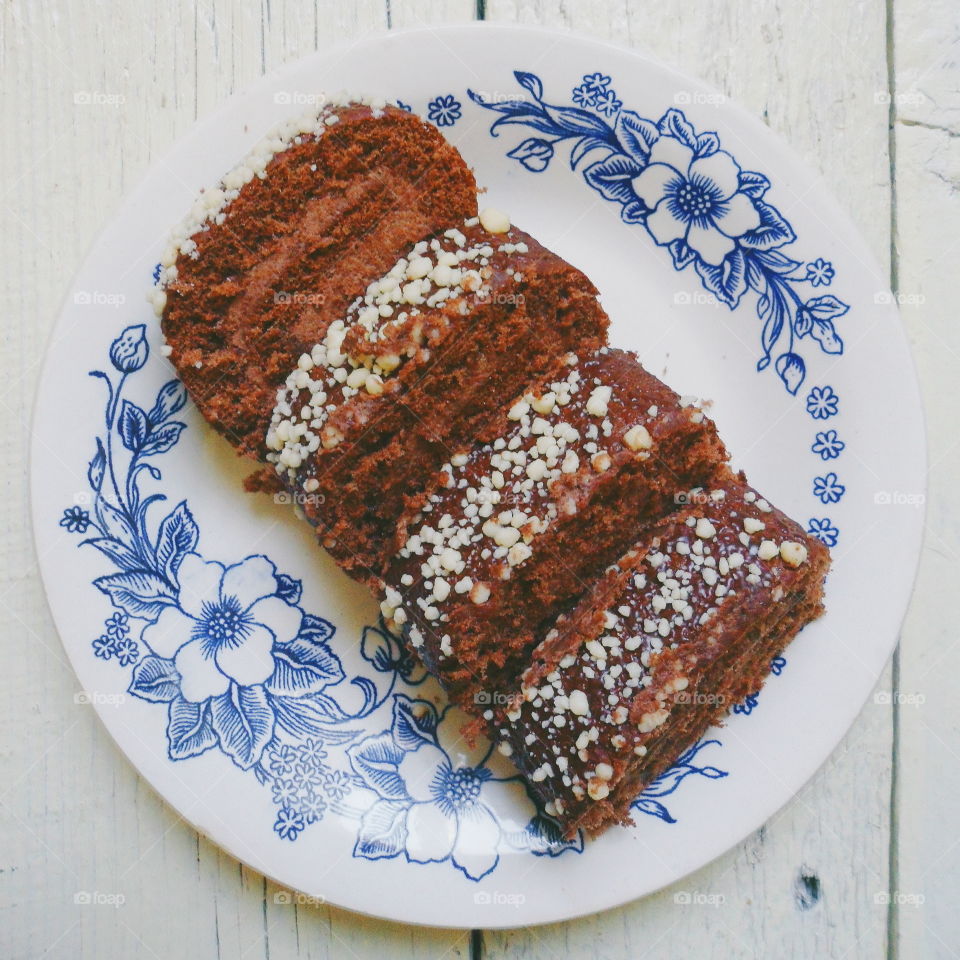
768, 303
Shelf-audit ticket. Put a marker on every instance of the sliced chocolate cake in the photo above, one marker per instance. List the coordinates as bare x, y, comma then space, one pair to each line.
417, 369
271, 257
684, 627
520, 526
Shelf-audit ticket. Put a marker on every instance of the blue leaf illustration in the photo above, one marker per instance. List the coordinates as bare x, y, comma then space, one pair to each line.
675, 124
531, 82
583, 146
728, 282
776, 262
132, 426
753, 184
115, 523
315, 628
773, 231
155, 679
290, 589
243, 722
613, 176
170, 399
414, 722
653, 807
707, 144
138, 593
377, 648
682, 254
535, 154
96, 468
824, 333
303, 666
572, 120
383, 830
163, 438
826, 308
375, 759
116, 551
312, 716
177, 536
189, 732
791, 370
635, 134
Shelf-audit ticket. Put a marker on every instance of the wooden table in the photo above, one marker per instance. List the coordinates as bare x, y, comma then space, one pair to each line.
865, 862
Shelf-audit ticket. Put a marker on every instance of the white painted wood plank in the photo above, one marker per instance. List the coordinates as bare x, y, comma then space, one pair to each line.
794, 65
926, 107
75, 817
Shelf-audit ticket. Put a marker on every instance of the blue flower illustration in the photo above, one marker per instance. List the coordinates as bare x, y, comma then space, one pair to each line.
404, 106
777, 665
284, 791
820, 272
433, 805
686, 765
126, 651
597, 82
608, 104
104, 647
337, 784
128, 353
283, 759
828, 489
824, 531
224, 626
312, 805
444, 111
695, 199
584, 96
75, 520
822, 403
117, 625
828, 445
290, 823
748, 706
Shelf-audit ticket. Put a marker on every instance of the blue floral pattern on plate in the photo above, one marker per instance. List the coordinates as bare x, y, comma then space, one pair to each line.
242, 668
693, 198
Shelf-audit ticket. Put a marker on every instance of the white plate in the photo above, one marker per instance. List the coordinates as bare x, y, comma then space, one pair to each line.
308, 778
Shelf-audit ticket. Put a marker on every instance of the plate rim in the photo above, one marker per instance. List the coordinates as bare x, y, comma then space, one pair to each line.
744, 116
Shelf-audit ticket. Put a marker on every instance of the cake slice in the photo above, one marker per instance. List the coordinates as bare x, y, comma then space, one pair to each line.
268, 259
684, 627
419, 366
520, 526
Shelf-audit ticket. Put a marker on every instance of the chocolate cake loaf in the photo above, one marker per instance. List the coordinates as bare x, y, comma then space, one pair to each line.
418, 367
680, 630
520, 526
271, 257
434, 388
